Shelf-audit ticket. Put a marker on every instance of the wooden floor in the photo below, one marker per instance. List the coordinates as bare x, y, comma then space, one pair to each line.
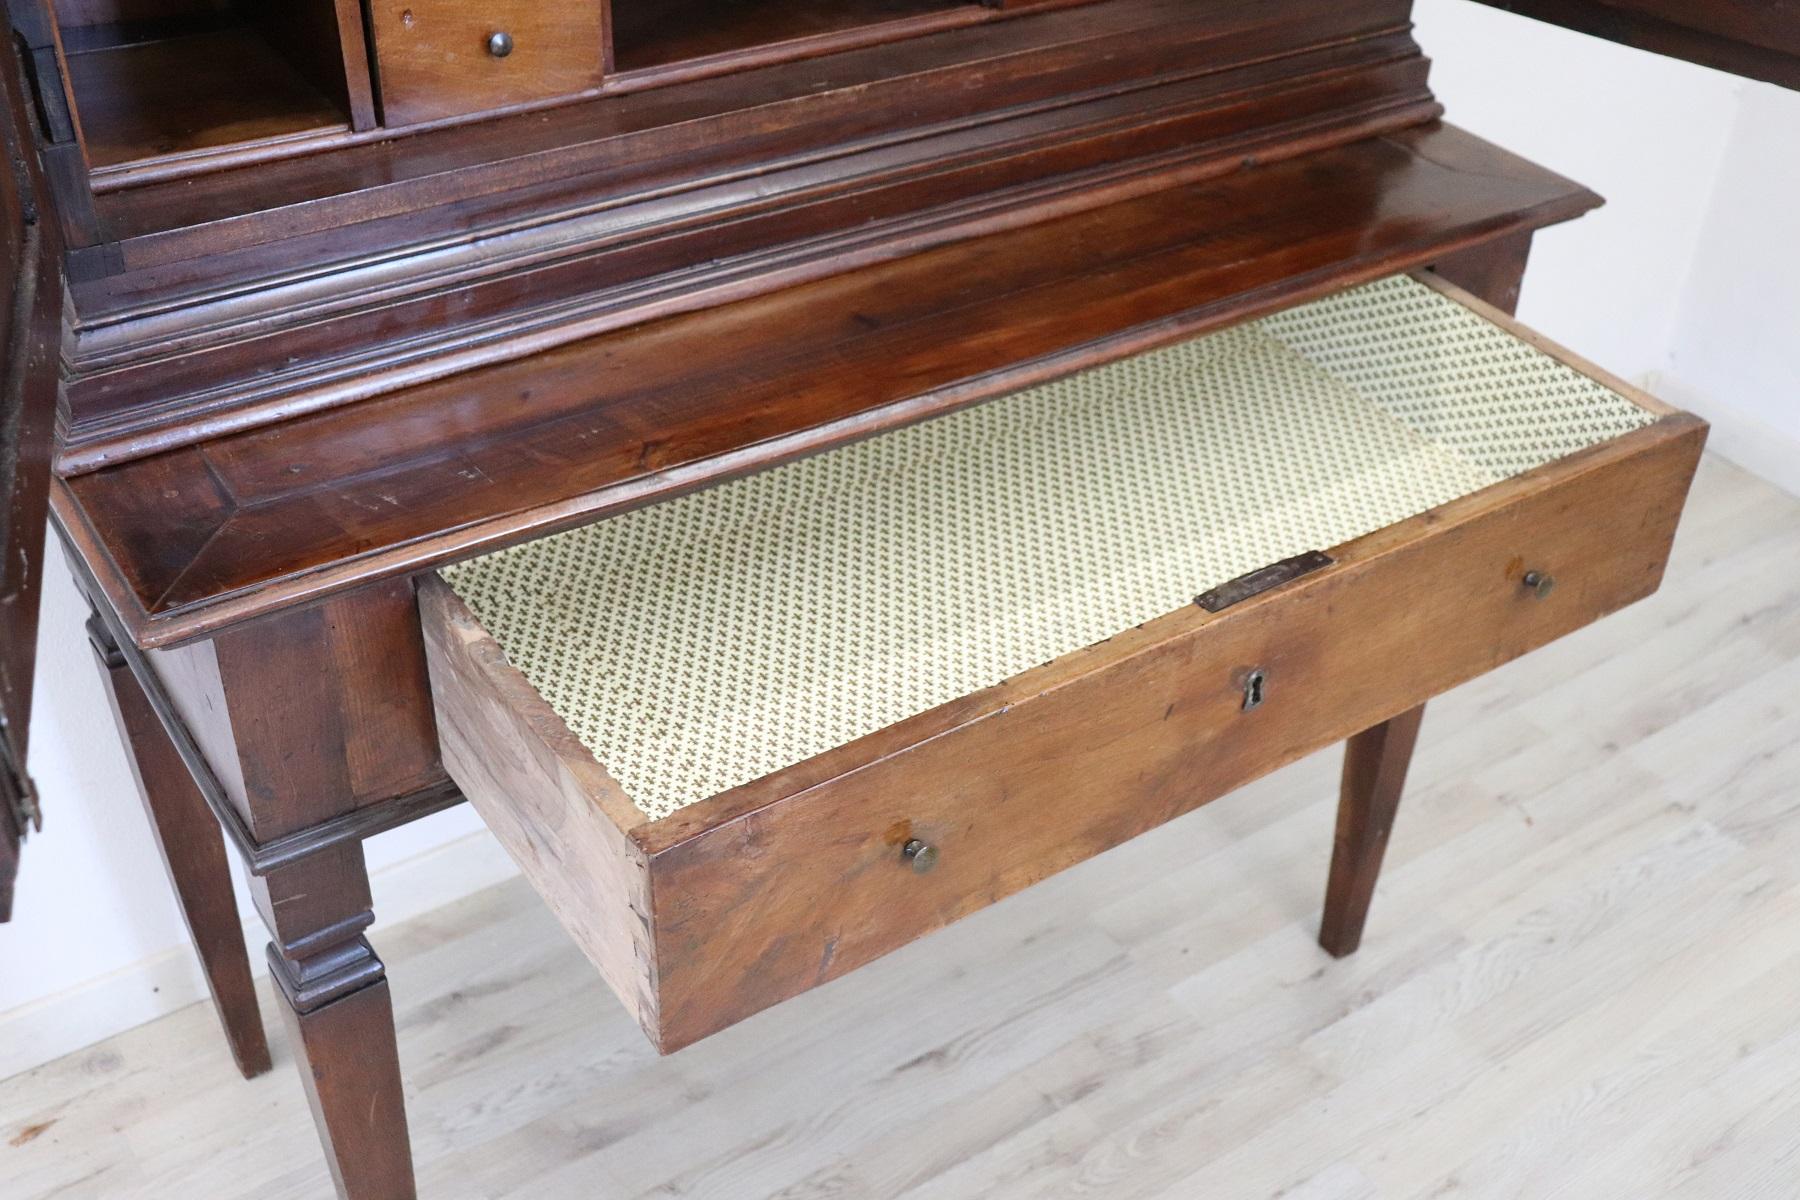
1582, 979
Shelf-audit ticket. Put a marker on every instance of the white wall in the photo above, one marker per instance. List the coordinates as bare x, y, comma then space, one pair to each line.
1689, 279
1647, 133
1736, 351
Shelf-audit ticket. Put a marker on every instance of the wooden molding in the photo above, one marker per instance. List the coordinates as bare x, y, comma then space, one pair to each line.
248, 524
182, 313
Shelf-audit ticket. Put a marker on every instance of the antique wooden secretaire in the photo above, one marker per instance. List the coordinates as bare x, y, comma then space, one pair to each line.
804, 471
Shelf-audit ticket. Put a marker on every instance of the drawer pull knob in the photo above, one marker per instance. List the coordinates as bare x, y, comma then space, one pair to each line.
1540, 584
921, 855
1256, 689
500, 44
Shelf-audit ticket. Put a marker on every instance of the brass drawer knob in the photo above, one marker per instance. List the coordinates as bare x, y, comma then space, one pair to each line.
921, 855
500, 44
1540, 584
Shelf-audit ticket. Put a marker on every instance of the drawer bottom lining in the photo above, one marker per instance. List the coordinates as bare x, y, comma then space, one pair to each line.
702, 643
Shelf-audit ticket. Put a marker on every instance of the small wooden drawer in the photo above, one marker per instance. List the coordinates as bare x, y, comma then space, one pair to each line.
446, 58
750, 739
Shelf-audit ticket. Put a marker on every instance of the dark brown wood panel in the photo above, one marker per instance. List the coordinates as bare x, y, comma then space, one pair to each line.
736, 238
649, 33
1493, 271
31, 326
1756, 38
130, 12
311, 712
191, 93
325, 41
64, 159
998, 63
678, 204
757, 897
250, 523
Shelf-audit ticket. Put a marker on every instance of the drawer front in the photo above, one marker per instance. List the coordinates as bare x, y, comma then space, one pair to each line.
1070, 759
446, 58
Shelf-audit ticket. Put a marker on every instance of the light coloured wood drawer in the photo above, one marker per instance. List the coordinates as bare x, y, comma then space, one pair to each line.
710, 731
446, 58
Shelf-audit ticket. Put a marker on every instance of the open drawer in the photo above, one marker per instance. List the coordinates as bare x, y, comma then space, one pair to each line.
749, 739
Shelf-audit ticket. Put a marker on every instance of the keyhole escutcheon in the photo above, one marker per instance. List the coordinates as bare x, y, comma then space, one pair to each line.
1256, 689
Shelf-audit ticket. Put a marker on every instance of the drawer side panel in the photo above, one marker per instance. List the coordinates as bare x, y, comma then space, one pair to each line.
547, 801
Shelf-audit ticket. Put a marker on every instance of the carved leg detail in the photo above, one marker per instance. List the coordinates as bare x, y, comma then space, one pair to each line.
1375, 763
340, 1019
193, 851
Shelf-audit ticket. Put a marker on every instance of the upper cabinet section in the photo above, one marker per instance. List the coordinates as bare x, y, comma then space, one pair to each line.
446, 58
164, 89
538, 173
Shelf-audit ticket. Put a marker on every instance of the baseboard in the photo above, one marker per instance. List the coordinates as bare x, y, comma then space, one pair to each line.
72, 1020
1743, 438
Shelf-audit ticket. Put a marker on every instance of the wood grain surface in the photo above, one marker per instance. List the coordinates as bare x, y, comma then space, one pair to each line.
432, 57
415, 257
190, 540
554, 808
789, 882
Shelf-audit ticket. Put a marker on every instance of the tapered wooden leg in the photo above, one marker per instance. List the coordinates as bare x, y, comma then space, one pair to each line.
1493, 270
193, 851
340, 1018
1375, 763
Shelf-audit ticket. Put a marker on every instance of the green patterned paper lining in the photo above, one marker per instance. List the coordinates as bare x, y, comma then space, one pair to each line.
699, 644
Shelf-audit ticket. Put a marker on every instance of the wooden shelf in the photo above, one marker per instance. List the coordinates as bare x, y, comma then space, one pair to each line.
192, 93
221, 531
656, 33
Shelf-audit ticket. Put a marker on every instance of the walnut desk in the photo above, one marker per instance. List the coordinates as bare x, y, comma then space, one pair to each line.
804, 472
